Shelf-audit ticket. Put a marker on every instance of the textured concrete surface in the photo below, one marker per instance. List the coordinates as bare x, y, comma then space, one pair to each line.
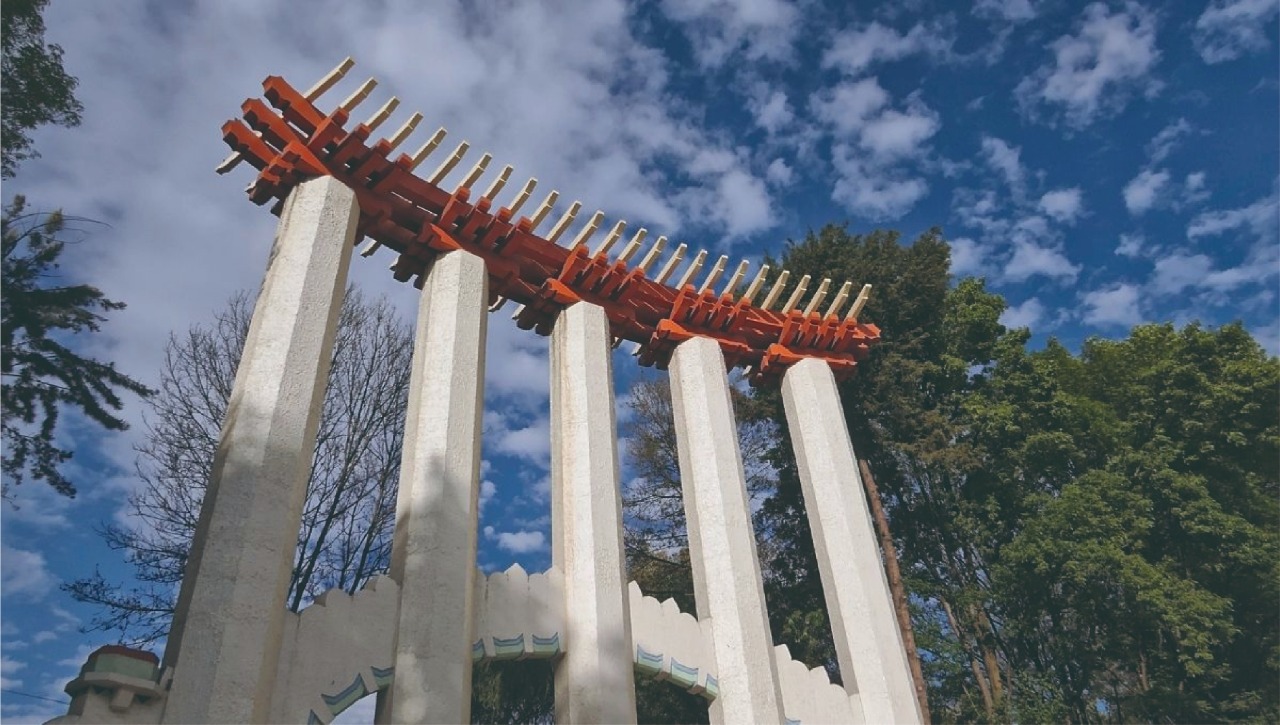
868, 641
726, 570
225, 639
594, 682
433, 554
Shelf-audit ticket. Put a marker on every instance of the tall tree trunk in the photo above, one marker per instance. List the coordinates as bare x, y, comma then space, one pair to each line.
896, 587
987, 703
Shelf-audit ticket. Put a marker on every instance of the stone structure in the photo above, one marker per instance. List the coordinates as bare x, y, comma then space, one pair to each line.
236, 655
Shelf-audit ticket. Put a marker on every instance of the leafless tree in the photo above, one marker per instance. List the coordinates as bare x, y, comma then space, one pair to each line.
345, 536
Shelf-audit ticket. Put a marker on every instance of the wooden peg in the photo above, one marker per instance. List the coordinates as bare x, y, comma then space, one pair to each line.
859, 303
694, 267
425, 150
498, 183
382, 114
565, 221
359, 95
713, 276
523, 196
670, 266
611, 239
476, 171
777, 290
818, 297
754, 288
838, 302
332, 77
652, 256
403, 132
796, 295
544, 209
737, 276
447, 165
633, 246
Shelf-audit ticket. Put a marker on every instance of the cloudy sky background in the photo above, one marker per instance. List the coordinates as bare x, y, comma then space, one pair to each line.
1101, 165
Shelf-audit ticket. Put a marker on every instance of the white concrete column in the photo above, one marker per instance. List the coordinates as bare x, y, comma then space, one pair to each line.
227, 627
722, 545
433, 554
594, 681
868, 641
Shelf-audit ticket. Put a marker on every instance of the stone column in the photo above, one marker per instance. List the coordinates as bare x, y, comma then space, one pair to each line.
868, 641
722, 545
433, 554
594, 681
225, 639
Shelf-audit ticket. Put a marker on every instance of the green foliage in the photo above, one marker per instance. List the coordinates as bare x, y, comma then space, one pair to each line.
41, 374
37, 91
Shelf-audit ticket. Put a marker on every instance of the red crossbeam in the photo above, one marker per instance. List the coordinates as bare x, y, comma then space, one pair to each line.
290, 141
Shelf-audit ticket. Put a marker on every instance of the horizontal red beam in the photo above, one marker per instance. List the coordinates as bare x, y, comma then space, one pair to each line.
290, 141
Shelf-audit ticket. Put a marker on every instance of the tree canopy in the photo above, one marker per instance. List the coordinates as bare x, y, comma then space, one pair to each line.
37, 91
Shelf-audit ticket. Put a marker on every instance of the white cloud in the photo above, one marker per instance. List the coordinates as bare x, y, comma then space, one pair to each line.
1026, 314
895, 134
1160, 146
1064, 205
521, 542
1229, 29
1194, 189
1014, 11
488, 489
872, 193
1259, 217
1179, 271
968, 257
1004, 158
24, 574
1143, 191
771, 110
531, 442
758, 30
1096, 71
855, 50
872, 146
1112, 306
8, 668
779, 173
1030, 259
847, 106
1132, 246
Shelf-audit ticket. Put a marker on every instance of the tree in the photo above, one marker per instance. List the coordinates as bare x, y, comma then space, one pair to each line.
41, 373
37, 90
346, 528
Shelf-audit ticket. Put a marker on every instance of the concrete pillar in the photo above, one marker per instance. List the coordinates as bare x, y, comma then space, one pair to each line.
868, 641
433, 554
227, 627
594, 682
722, 546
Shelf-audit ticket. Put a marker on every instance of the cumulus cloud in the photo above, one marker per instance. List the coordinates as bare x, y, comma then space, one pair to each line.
1132, 246
1144, 190
874, 146
1013, 11
1259, 218
719, 30
518, 542
1003, 157
779, 173
1164, 142
1064, 205
1229, 29
1115, 306
1097, 70
25, 574
1026, 314
968, 257
855, 50
1030, 259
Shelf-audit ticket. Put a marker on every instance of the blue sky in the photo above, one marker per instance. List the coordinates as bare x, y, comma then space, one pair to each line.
1102, 165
